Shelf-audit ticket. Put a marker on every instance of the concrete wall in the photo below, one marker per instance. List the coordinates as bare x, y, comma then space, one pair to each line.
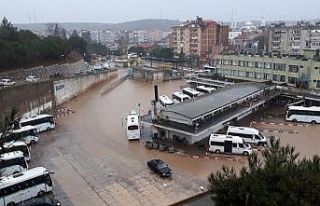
67, 89
28, 98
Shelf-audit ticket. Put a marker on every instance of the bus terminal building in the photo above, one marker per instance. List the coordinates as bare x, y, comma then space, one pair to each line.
196, 119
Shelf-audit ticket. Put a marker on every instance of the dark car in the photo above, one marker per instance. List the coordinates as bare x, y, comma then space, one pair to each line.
42, 201
159, 167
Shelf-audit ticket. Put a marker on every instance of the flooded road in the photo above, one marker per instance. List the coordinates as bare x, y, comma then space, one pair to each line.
95, 164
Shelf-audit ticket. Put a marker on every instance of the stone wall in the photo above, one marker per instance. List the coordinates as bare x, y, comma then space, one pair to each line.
44, 73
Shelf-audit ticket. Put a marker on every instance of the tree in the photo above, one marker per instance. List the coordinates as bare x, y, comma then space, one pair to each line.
7, 31
280, 177
77, 43
161, 52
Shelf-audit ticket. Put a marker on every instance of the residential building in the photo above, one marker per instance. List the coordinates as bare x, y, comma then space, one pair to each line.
298, 71
202, 38
293, 40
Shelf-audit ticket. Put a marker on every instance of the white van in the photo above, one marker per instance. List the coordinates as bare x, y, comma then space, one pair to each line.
249, 134
12, 163
221, 143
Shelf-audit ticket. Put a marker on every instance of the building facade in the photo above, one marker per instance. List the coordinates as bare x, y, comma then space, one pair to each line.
293, 40
202, 38
293, 71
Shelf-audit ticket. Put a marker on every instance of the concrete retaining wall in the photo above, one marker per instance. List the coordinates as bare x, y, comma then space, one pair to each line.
67, 89
29, 99
44, 73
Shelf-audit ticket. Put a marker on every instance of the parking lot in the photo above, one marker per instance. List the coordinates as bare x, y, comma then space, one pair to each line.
94, 164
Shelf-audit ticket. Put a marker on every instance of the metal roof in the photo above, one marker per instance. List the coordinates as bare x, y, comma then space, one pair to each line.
207, 103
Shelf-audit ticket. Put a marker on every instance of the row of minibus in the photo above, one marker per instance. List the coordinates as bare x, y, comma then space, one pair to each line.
17, 182
186, 94
237, 140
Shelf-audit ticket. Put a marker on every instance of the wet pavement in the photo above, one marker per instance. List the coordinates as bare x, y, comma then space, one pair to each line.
95, 164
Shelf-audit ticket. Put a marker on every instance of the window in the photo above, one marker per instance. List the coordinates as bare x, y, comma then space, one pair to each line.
241, 145
234, 145
275, 77
318, 83
242, 74
282, 78
257, 137
279, 67
235, 73
267, 65
294, 68
250, 64
217, 143
292, 80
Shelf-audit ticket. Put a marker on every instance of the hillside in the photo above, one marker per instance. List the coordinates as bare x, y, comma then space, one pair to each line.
145, 24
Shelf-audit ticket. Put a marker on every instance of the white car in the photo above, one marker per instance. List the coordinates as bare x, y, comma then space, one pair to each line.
32, 79
6, 82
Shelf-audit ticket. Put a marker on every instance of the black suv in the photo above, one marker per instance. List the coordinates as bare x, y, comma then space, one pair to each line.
159, 167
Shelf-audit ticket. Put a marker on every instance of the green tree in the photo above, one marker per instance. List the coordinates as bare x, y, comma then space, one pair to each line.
77, 43
278, 178
7, 31
161, 52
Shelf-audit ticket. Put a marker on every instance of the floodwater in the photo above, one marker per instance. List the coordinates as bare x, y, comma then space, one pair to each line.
95, 164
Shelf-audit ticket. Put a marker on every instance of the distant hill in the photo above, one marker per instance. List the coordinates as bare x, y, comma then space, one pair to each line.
145, 24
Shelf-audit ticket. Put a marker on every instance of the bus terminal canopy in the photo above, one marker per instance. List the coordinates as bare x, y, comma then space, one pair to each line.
206, 104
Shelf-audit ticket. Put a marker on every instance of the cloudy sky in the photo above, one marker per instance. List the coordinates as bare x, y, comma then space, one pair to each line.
113, 11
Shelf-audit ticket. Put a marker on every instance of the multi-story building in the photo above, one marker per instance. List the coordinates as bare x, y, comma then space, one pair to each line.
293, 40
203, 38
300, 71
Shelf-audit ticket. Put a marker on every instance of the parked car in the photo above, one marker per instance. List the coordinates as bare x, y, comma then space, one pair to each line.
32, 79
6, 82
42, 201
160, 167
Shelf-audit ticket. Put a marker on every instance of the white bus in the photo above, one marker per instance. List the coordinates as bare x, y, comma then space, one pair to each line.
12, 163
27, 134
179, 97
16, 146
191, 92
42, 122
249, 134
303, 114
165, 101
133, 128
204, 89
25, 185
221, 143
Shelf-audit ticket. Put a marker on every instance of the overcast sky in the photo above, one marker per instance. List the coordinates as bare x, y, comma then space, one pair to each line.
113, 11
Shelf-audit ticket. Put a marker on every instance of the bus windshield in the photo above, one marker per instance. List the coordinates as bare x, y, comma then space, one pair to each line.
133, 127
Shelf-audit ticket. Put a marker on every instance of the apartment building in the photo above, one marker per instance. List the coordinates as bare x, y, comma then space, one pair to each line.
300, 71
202, 38
293, 40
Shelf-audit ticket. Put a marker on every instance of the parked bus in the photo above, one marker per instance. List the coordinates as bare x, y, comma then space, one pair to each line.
191, 92
133, 128
42, 122
303, 114
16, 146
206, 90
179, 97
27, 134
221, 143
249, 134
25, 185
165, 101
12, 163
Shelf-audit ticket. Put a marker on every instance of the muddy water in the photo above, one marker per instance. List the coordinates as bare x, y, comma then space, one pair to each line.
99, 123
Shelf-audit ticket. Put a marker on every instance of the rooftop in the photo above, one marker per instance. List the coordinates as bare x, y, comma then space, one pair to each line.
207, 103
